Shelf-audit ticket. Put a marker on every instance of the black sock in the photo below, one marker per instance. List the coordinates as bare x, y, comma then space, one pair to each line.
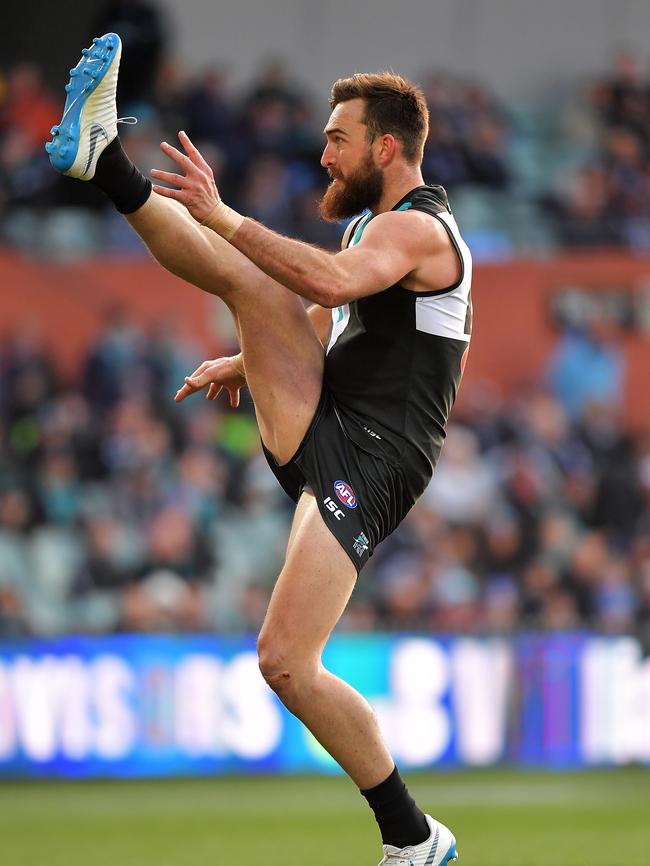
400, 821
122, 182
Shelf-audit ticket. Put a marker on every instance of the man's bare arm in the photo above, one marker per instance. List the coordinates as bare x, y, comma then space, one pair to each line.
393, 245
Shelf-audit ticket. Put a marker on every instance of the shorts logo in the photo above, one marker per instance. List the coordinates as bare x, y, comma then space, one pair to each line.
333, 507
361, 544
346, 494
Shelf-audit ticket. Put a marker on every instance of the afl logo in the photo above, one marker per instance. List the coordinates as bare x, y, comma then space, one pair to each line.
345, 493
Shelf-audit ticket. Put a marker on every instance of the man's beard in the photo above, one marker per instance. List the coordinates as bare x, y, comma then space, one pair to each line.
362, 189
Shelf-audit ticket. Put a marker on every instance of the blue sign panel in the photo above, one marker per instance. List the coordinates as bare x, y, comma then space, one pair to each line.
129, 706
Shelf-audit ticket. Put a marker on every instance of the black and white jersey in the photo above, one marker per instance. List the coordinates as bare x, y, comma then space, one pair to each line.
394, 360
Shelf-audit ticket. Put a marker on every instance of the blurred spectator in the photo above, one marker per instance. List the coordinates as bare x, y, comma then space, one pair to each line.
28, 376
467, 142
142, 31
583, 218
26, 177
623, 98
485, 155
265, 195
274, 84
628, 174
15, 568
59, 489
463, 489
443, 160
29, 108
606, 201
210, 116
116, 364
168, 592
587, 367
111, 556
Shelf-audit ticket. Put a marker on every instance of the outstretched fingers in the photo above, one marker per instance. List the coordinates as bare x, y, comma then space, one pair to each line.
192, 384
217, 375
183, 392
187, 388
178, 182
179, 158
195, 188
193, 152
169, 177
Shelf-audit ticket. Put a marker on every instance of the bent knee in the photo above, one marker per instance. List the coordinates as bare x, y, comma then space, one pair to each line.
275, 663
283, 665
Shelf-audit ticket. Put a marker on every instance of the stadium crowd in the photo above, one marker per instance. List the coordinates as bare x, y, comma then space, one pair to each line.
121, 510
532, 178
607, 200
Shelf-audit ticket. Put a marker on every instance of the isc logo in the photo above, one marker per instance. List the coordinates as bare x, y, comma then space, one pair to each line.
345, 493
334, 508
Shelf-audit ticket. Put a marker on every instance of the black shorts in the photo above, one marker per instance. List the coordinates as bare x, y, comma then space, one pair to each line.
361, 497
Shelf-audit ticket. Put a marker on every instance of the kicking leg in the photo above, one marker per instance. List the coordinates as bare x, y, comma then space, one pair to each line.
283, 356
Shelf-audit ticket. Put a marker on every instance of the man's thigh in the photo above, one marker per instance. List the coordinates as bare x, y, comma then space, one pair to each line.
284, 363
283, 356
282, 353
314, 586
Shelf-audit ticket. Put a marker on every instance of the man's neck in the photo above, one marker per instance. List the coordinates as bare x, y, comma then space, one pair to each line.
397, 187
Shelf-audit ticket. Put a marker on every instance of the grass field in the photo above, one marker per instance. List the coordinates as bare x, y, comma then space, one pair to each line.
500, 818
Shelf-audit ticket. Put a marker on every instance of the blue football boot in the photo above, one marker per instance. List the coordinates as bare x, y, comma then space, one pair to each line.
89, 121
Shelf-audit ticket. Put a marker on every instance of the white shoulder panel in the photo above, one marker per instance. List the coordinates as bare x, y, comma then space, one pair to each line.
445, 315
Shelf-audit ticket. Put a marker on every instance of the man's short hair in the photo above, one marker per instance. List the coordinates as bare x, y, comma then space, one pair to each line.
392, 105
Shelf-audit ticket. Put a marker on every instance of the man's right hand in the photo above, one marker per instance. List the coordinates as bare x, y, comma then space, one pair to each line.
221, 373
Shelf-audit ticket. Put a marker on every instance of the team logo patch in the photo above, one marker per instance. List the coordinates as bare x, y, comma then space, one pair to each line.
361, 544
345, 494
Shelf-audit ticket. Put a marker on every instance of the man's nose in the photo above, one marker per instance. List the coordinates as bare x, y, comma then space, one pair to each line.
327, 158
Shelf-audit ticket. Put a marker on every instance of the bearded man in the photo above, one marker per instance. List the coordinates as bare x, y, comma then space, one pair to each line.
351, 395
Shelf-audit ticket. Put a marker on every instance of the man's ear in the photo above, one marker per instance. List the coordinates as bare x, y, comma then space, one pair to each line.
387, 148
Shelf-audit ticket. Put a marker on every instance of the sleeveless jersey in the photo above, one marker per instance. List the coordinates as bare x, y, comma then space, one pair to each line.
394, 360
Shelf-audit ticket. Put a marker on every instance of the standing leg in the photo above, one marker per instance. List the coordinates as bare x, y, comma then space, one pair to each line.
293, 637
307, 602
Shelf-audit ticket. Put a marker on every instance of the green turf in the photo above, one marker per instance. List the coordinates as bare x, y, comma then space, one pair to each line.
500, 818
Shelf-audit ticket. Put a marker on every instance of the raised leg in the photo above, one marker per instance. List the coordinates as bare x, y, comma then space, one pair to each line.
283, 356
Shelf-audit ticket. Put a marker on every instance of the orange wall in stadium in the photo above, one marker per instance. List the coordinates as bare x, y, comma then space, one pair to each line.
514, 329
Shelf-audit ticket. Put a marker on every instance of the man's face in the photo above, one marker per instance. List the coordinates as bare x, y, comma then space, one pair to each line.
357, 183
